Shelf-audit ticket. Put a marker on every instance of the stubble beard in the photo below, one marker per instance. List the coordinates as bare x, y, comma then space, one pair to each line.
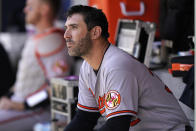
82, 47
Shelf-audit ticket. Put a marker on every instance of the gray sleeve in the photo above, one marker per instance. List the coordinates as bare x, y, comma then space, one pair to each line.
121, 94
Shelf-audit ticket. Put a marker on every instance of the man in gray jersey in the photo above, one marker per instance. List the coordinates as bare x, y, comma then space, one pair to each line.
114, 84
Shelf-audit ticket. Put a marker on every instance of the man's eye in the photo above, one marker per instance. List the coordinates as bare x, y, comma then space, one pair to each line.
74, 27
65, 28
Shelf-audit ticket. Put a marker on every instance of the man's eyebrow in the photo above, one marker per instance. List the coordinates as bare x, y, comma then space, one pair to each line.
70, 25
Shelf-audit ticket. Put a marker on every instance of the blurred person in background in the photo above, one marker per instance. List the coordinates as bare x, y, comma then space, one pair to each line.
7, 76
44, 56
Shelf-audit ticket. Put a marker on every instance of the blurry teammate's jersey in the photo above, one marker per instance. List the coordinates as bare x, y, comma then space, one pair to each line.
44, 56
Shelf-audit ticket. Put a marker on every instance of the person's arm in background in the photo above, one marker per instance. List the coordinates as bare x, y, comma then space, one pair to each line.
7, 75
36, 100
7, 104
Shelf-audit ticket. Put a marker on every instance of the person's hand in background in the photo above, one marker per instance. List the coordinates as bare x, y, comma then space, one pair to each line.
7, 104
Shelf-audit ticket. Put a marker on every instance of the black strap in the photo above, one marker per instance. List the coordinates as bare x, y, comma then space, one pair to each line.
188, 128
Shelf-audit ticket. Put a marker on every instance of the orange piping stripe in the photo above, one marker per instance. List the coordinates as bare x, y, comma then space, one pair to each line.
133, 123
47, 33
53, 52
168, 90
91, 91
90, 108
40, 63
102, 111
118, 112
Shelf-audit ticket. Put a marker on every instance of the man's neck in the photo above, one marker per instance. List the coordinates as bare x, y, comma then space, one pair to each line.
43, 26
97, 53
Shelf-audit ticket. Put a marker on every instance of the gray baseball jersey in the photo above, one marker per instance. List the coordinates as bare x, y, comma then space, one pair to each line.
124, 86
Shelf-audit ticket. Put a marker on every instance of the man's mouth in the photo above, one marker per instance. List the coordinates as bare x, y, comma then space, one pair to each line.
68, 40
69, 43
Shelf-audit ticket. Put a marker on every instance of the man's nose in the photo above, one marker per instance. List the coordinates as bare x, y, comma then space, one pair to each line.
67, 34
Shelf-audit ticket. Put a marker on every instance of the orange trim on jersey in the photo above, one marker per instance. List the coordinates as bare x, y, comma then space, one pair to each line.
86, 107
150, 71
40, 63
91, 91
119, 112
16, 118
168, 90
54, 52
134, 122
48, 32
102, 111
181, 67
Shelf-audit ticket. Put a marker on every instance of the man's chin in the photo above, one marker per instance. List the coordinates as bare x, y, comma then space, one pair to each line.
72, 54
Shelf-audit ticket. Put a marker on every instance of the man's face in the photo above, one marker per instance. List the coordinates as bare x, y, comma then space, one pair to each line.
32, 11
77, 36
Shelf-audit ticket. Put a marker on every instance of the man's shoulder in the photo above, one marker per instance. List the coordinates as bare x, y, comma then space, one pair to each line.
118, 60
50, 41
116, 56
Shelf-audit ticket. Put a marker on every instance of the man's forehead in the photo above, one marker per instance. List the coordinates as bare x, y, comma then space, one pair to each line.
32, 2
78, 18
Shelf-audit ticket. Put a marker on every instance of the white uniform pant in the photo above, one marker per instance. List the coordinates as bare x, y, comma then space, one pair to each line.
11, 120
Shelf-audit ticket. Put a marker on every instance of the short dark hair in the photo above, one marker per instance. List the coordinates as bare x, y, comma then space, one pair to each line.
55, 5
92, 17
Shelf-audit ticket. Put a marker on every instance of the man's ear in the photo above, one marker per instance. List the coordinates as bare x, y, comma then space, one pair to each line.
96, 32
